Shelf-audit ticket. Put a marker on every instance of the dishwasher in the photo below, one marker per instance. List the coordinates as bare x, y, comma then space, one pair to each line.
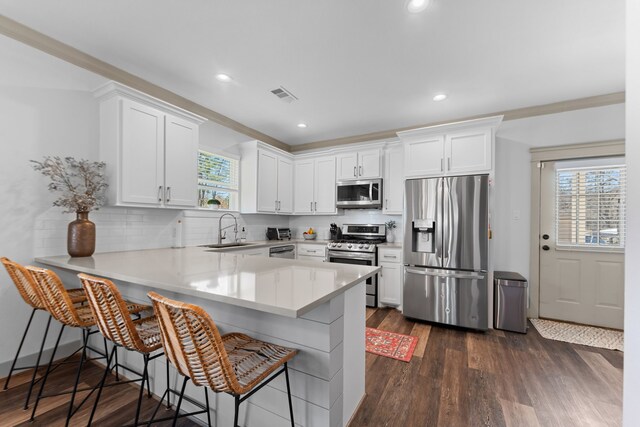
284, 251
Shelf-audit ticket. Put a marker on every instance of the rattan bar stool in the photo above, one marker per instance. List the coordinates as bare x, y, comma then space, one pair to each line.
114, 322
233, 363
26, 288
62, 308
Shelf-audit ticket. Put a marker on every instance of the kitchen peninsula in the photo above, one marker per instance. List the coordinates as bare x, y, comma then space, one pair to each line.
318, 309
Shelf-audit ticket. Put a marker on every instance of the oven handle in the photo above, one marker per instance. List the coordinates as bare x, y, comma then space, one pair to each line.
347, 255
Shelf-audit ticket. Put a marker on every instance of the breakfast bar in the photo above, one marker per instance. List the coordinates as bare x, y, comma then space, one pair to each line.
318, 309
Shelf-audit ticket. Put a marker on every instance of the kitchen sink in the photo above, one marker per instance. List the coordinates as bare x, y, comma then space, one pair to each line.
226, 245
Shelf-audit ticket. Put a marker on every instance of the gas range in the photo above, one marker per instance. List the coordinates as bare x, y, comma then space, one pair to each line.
359, 238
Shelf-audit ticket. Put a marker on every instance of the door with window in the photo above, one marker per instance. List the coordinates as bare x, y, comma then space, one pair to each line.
582, 239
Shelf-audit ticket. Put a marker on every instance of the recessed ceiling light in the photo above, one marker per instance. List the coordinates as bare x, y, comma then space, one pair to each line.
440, 97
223, 77
417, 6
302, 125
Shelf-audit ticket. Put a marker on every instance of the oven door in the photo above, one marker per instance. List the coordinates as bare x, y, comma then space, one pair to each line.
359, 194
359, 259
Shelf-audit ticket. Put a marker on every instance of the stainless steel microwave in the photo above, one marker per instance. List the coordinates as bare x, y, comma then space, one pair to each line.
364, 194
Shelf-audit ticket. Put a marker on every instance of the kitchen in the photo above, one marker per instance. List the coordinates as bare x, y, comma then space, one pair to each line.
65, 120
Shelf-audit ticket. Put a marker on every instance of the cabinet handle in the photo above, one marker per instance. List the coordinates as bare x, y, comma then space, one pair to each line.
316, 206
168, 194
354, 171
360, 170
448, 163
275, 205
441, 165
160, 193
311, 206
390, 256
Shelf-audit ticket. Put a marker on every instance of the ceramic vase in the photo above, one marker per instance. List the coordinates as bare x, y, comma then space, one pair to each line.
81, 236
390, 236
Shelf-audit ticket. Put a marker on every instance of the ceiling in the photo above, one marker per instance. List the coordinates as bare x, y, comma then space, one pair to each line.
357, 66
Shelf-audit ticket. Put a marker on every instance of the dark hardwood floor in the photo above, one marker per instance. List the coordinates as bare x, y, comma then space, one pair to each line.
455, 378
462, 378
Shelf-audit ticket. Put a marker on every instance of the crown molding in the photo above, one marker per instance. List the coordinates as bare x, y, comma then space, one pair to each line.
40, 41
519, 113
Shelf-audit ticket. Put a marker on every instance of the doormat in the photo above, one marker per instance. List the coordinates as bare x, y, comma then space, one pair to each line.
390, 344
580, 334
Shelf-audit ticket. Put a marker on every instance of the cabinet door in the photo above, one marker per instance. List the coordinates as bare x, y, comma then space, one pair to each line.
303, 186
424, 157
142, 155
468, 151
390, 283
181, 162
347, 165
285, 186
393, 186
267, 181
325, 186
369, 164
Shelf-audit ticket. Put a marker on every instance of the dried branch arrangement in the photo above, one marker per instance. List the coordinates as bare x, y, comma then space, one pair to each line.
80, 183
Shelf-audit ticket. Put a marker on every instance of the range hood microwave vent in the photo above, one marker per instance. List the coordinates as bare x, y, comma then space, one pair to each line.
284, 95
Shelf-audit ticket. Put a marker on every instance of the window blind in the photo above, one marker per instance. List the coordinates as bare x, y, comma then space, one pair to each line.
217, 171
590, 206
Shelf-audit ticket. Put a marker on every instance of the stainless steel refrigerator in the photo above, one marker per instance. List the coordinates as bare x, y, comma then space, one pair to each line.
446, 246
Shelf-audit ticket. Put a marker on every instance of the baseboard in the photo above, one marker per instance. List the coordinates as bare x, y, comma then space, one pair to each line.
63, 351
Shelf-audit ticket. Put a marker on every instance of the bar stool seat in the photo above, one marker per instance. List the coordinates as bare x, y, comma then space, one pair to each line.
27, 289
61, 307
233, 363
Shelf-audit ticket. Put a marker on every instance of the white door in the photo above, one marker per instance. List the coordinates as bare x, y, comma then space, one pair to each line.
424, 157
267, 181
369, 164
303, 186
393, 188
468, 152
347, 165
582, 241
142, 154
325, 186
285, 186
181, 162
390, 283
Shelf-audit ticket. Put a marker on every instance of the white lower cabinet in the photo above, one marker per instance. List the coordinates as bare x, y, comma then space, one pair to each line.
311, 252
390, 277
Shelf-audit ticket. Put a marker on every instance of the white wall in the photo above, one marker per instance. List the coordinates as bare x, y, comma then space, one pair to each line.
632, 252
512, 207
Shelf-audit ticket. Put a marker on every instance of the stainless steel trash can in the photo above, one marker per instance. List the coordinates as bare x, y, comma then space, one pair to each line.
510, 301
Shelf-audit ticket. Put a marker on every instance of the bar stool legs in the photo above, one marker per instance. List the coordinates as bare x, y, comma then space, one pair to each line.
15, 359
46, 375
37, 365
175, 417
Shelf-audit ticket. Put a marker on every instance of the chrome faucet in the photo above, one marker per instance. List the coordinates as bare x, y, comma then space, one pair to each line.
220, 229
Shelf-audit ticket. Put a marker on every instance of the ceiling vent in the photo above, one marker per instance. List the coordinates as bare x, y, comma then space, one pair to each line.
284, 95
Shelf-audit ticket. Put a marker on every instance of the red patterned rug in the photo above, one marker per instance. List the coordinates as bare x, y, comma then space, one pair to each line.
390, 344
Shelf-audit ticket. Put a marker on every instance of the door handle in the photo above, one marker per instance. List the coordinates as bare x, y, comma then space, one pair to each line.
160, 193
316, 206
310, 206
355, 173
360, 168
545, 236
168, 194
441, 165
546, 248
275, 203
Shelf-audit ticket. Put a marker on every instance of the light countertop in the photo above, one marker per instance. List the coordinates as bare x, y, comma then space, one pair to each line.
278, 286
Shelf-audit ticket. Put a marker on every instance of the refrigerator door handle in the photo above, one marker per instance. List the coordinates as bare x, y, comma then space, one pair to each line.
457, 275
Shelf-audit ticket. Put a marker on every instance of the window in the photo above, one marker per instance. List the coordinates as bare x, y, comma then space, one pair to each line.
217, 181
590, 206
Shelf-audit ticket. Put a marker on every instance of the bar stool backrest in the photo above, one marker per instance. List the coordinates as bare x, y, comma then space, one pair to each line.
55, 298
193, 344
110, 312
24, 282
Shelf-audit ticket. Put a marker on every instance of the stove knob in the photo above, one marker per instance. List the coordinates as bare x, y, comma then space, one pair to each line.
339, 245
361, 246
349, 246
366, 246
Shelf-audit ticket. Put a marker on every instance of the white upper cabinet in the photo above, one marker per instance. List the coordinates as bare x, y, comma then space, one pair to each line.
266, 180
315, 186
150, 147
393, 185
454, 149
363, 164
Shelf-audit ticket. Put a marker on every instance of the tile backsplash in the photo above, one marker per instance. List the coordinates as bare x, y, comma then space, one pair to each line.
119, 228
